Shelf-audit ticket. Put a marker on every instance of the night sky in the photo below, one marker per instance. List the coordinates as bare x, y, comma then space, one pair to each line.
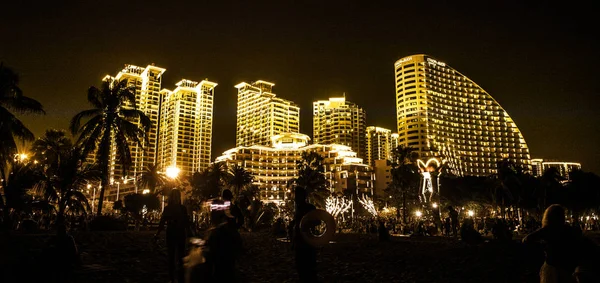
540, 62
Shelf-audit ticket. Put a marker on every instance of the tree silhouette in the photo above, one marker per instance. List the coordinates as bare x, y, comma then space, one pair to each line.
112, 122
12, 99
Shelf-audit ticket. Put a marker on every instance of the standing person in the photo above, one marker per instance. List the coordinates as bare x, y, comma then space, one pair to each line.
234, 210
562, 244
453, 214
178, 228
306, 255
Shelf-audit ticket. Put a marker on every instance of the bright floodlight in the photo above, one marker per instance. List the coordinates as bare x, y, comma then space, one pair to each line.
418, 213
172, 172
470, 213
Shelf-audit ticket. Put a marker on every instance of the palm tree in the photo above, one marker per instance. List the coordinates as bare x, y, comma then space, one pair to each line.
17, 178
404, 175
217, 175
152, 179
312, 178
48, 149
113, 121
551, 184
239, 178
63, 186
12, 99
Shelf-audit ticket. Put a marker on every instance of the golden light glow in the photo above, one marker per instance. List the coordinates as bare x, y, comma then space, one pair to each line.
146, 191
470, 213
418, 213
434, 205
172, 172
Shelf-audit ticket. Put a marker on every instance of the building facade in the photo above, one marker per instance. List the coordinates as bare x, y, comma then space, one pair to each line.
274, 166
441, 112
564, 168
261, 115
186, 126
379, 144
338, 121
383, 176
146, 82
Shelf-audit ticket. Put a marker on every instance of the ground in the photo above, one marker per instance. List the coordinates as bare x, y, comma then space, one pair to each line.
135, 257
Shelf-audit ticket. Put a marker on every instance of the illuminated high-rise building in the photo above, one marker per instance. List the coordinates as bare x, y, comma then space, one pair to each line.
186, 127
147, 83
394, 138
379, 144
337, 121
441, 112
261, 115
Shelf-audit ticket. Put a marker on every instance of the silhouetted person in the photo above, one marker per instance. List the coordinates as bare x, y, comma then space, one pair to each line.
178, 227
468, 233
223, 245
453, 214
562, 246
234, 210
306, 255
384, 234
447, 226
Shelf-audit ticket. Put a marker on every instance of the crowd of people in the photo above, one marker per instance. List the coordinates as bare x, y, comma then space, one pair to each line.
212, 256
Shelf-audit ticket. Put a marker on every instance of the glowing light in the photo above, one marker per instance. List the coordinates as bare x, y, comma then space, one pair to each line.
337, 205
368, 204
470, 213
89, 186
434, 205
146, 191
418, 213
172, 172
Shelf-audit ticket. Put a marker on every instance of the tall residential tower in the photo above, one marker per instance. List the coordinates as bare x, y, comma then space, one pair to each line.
147, 83
379, 144
441, 112
186, 126
261, 115
337, 121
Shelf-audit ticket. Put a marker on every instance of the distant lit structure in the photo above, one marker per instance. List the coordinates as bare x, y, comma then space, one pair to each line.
383, 176
338, 121
379, 144
274, 166
539, 166
441, 112
147, 83
261, 115
186, 126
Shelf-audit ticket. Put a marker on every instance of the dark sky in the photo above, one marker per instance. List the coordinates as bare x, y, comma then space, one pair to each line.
540, 62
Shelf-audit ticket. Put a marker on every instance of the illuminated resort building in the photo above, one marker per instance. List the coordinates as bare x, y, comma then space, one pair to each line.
379, 144
337, 121
186, 127
441, 112
274, 166
539, 166
261, 115
147, 84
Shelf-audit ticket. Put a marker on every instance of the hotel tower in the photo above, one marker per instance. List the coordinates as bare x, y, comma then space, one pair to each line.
338, 121
441, 112
261, 115
146, 82
379, 144
186, 127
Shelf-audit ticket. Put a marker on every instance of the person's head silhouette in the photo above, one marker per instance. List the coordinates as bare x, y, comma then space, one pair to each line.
554, 216
175, 197
227, 195
299, 195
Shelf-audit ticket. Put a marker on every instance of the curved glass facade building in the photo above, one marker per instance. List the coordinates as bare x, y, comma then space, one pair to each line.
441, 112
